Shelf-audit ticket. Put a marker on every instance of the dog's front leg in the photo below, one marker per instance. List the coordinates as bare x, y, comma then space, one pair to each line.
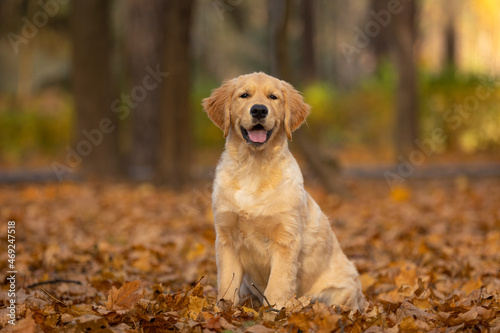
282, 284
229, 269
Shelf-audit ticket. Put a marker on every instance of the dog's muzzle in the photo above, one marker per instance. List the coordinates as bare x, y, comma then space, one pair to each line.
257, 135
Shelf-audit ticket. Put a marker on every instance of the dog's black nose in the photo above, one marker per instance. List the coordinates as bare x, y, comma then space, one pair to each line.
259, 111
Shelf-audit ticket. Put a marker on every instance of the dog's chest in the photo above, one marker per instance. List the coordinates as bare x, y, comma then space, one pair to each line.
253, 239
249, 197
251, 193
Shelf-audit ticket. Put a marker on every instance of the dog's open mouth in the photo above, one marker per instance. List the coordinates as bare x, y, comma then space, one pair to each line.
256, 135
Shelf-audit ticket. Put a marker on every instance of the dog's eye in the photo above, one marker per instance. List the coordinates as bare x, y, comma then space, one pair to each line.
273, 96
244, 95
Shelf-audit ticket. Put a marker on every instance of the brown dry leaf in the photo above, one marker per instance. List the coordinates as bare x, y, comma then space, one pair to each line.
195, 251
300, 320
213, 323
196, 305
26, 325
125, 297
92, 323
495, 325
259, 329
198, 290
367, 280
472, 285
400, 194
226, 324
408, 309
142, 261
250, 311
476, 314
408, 274
422, 303
297, 304
408, 324
393, 298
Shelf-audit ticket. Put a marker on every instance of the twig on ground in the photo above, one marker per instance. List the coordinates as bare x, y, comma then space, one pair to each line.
480, 298
228, 287
340, 320
53, 282
53, 298
271, 308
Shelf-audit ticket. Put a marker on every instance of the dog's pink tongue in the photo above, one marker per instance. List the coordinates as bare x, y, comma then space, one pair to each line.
257, 136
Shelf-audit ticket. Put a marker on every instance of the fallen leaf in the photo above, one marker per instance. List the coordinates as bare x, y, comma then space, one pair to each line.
259, 329
475, 315
26, 325
408, 324
367, 280
92, 323
196, 304
400, 194
213, 323
195, 251
250, 311
472, 285
125, 297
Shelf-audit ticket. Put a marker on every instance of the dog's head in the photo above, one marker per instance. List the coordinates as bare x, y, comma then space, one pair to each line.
256, 107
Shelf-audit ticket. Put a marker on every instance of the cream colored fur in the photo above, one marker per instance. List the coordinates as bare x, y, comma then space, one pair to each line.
270, 232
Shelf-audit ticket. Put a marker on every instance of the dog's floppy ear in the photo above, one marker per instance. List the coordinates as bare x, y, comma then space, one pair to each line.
296, 110
217, 106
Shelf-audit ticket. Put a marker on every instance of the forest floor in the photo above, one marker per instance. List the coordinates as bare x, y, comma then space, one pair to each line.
117, 257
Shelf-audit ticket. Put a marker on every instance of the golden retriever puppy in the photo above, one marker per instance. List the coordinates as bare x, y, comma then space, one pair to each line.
270, 232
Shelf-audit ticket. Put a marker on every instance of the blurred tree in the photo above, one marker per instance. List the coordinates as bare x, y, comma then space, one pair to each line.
279, 17
450, 45
143, 43
176, 141
381, 41
307, 39
320, 163
450, 40
236, 14
10, 12
403, 34
97, 140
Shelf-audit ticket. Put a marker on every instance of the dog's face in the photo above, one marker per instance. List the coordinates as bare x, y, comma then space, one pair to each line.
256, 108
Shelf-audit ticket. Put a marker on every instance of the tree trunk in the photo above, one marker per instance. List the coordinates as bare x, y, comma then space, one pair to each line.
279, 16
176, 141
380, 42
450, 46
308, 49
403, 32
450, 39
97, 136
144, 38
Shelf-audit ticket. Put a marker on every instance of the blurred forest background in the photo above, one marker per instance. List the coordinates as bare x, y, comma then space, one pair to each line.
113, 88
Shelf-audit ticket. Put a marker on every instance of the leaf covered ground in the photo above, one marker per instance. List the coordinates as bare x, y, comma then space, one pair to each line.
107, 257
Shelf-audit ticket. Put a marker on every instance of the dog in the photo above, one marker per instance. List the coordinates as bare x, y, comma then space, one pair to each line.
272, 240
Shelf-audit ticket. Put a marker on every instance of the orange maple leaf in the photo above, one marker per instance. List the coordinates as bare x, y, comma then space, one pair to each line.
125, 297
